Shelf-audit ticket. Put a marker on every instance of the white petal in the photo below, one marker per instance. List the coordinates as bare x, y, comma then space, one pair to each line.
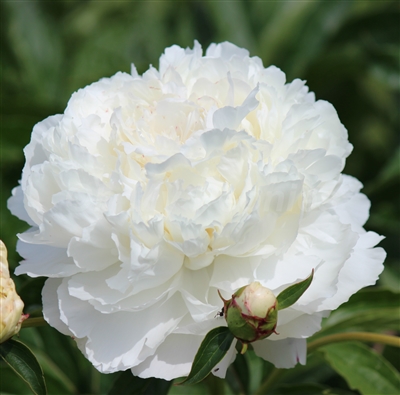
95, 250
16, 205
284, 354
43, 260
226, 50
173, 358
230, 117
231, 273
138, 334
51, 309
302, 326
360, 270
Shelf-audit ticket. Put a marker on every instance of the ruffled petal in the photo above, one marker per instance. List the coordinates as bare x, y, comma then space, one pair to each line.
139, 334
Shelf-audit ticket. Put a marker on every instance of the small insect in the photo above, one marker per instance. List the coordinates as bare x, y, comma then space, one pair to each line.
220, 313
216, 370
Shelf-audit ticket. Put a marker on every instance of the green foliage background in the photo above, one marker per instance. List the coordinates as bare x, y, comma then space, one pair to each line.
348, 51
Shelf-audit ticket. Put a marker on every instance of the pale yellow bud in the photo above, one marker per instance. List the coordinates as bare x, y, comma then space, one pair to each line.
256, 300
11, 305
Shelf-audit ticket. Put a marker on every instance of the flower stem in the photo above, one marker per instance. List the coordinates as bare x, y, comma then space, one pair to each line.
357, 336
35, 321
270, 380
337, 337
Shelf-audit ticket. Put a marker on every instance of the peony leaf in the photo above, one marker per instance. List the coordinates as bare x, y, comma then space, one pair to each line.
128, 384
212, 349
362, 368
238, 375
21, 359
293, 293
157, 386
309, 389
368, 310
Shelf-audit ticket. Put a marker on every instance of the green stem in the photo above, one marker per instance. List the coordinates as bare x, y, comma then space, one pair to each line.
35, 321
337, 337
357, 336
270, 380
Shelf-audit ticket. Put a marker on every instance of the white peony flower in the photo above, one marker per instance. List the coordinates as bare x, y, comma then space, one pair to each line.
151, 193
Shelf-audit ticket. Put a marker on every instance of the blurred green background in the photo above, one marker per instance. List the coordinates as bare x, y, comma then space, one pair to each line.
348, 51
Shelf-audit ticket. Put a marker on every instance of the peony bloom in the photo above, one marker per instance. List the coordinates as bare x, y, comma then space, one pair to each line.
11, 305
151, 193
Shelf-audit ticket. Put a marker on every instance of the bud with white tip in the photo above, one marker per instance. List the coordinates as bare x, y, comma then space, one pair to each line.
251, 314
11, 305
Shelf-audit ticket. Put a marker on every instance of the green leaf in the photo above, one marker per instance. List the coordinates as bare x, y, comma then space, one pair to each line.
62, 363
238, 375
128, 384
388, 174
157, 386
369, 310
293, 293
390, 277
212, 349
37, 46
227, 20
21, 359
362, 368
308, 389
58, 381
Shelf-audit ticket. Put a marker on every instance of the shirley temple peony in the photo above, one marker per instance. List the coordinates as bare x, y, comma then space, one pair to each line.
151, 193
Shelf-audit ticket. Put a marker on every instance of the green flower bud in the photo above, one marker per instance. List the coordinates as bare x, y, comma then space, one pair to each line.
252, 313
11, 305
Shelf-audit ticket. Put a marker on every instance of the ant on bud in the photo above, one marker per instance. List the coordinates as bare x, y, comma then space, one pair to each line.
220, 313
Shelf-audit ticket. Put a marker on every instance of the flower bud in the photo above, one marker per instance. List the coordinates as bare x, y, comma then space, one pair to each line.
11, 304
252, 313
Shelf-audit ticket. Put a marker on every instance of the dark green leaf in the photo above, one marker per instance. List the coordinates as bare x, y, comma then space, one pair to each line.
390, 277
31, 293
227, 19
293, 293
212, 349
389, 173
308, 389
238, 375
58, 381
21, 359
10, 382
317, 370
36, 41
157, 386
60, 359
362, 368
128, 384
369, 310
198, 389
